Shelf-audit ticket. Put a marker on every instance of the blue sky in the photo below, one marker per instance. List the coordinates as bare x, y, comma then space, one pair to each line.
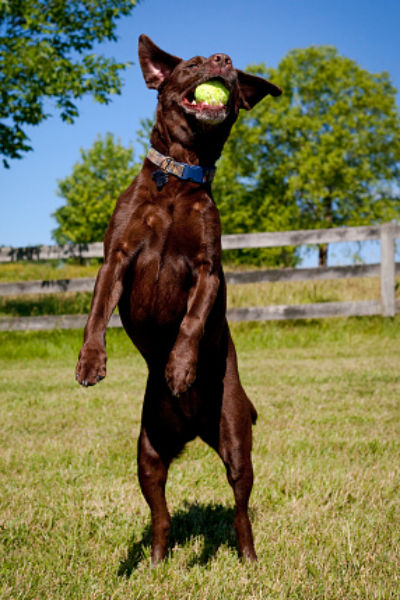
251, 31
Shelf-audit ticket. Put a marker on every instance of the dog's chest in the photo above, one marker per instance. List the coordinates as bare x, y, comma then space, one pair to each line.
176, 240
178, 227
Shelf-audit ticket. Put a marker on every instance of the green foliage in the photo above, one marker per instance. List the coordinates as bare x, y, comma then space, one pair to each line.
338, 137
46, 53
91, 191
143, 135
249, 192
324, 154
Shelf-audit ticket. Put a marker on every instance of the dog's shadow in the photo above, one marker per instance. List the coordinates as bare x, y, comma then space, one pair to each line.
212, 522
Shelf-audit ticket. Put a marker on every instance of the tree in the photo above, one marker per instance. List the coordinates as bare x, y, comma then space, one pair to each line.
246, 200
46, 54
143, 135
326, 153
91, 191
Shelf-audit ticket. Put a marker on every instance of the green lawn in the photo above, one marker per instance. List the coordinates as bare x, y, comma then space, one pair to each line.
25, 270
292, 292
326, 498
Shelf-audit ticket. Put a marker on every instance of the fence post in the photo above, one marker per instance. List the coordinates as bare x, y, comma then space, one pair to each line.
388, 269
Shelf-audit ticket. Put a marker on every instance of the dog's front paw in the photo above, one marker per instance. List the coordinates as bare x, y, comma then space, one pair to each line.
91, 366
180, 373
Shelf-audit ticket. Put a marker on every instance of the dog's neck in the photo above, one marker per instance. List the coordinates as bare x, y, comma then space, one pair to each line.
203, 149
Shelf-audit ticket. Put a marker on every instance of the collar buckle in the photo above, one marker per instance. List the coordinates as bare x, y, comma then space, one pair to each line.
183, 171
166, 163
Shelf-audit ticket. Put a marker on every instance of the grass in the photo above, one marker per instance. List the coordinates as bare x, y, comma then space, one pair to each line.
254, 294
32, 270
302, 292
31, 305
45, 304
325, 504
292, 292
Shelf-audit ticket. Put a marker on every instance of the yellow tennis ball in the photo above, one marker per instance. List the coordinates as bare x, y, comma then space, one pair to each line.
211, 92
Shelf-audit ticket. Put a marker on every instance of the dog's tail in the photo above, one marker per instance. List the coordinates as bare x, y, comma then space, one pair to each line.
253, 413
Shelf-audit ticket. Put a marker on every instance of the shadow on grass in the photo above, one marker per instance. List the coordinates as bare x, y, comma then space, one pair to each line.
214, 523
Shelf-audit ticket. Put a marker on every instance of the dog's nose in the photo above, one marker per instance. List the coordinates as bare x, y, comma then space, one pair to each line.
220, 62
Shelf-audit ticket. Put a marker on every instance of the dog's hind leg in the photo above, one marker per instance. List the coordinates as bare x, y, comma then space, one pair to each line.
240, 476
153, 472
234, 447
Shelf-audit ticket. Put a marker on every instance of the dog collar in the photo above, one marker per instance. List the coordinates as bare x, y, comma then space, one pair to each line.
169, 166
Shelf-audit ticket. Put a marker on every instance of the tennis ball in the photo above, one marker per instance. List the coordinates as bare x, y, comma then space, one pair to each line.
211, 92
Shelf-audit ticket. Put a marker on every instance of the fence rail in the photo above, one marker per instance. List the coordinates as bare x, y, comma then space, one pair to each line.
234, 241
386, 270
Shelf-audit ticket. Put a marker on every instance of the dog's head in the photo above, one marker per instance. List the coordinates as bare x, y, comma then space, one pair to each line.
179, 114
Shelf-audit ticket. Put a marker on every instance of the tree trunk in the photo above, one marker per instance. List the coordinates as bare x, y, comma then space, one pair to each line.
323, 255
323, 248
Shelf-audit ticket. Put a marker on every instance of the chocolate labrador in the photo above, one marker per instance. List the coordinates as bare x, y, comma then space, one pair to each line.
162, 266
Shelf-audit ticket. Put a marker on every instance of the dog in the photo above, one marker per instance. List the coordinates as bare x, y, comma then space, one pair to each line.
162, 266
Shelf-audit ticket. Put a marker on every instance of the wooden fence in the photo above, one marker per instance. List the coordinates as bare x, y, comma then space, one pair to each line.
386, 270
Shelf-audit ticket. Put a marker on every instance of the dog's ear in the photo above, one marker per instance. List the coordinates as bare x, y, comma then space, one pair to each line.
253, 89
156, 64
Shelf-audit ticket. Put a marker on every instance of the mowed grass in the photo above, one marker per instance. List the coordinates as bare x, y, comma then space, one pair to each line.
44, 270
326, 500
280, 292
